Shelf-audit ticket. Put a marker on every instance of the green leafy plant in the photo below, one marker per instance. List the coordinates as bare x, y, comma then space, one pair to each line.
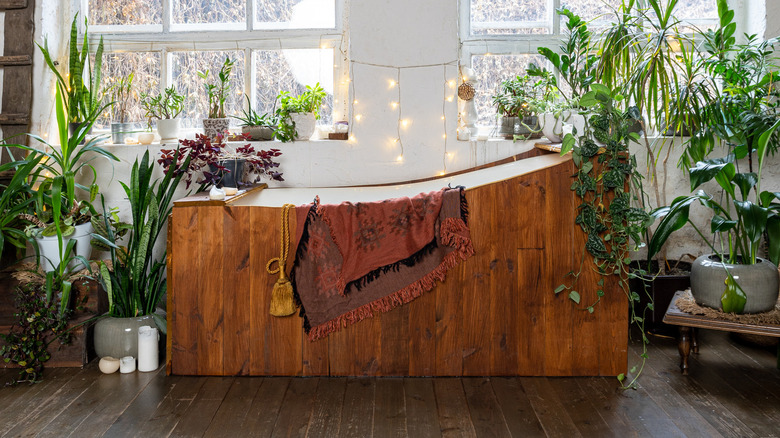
307, 102
605, 173
166, 105
740, 220
83, 101
17, 199
576, 61
121, 92
523, 96
218, 91
253, 118
38, 323
136, 281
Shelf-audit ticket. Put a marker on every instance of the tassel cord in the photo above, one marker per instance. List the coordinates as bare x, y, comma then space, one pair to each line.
285, 245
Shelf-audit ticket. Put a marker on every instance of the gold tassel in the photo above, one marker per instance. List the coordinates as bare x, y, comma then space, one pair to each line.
282, 302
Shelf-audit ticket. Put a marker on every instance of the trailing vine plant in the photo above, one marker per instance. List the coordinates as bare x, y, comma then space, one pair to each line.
39, 322
605, 173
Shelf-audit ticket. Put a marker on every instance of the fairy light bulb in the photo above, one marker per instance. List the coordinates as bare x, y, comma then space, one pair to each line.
449, 98
442, 173
399, 158
393, 105
358, 117
404, 123
451, 83
392, 83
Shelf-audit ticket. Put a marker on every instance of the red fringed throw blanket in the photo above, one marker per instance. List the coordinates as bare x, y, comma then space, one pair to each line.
354, 260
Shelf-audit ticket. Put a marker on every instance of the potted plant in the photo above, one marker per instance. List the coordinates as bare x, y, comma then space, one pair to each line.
214, 163
61, 220
217, 122
297, 115
165, 107
518, 102
80, 89
121, 92
17, 199
135, 281
576, 66
257, 126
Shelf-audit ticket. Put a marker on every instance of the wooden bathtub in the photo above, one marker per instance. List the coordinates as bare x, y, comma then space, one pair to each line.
496, 314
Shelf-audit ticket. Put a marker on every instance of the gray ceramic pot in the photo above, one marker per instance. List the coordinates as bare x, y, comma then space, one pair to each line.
759, 281
118, 337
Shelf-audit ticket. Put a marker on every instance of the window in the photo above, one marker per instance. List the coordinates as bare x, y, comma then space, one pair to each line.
275, 45
500, 37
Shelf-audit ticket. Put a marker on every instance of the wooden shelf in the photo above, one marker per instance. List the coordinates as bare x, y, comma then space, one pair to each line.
202, 199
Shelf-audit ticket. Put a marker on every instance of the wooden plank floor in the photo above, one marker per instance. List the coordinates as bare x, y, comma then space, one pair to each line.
733, 391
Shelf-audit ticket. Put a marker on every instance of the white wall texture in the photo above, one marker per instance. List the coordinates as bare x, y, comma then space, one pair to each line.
421, 39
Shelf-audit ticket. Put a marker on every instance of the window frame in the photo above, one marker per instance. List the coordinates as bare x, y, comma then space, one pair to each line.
167, 38
519, 44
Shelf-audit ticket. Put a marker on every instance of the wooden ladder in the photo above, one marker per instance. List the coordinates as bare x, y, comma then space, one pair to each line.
16, 63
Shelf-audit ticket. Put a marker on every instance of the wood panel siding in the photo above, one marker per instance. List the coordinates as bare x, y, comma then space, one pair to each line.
496, 314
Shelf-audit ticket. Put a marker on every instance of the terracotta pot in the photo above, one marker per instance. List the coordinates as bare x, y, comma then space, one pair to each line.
118, 337
758, 281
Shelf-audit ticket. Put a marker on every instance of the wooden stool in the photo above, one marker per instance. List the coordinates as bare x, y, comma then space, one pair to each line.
688, 324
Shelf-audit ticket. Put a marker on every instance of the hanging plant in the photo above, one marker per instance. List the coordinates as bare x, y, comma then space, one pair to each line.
606, 173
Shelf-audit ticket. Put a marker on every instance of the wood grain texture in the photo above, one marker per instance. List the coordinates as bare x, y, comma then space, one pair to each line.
496, 314
236, 287
6, 5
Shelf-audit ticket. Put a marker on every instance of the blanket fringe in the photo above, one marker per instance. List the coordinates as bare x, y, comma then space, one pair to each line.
397, 298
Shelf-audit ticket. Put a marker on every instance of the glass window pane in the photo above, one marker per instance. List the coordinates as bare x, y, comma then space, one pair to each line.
510, 17
208, 11
491, 70
185, 66
592, 10
145, 67
295, 14
291, 70
125, 12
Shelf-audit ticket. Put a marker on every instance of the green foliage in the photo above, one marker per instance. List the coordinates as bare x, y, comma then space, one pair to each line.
120, 97
575, 59
166, 105
733, 299
38, 323
307, 102
738, 221
218, 91
83, 98
252, 118
17, 199
523, 96
605, 174
137, 280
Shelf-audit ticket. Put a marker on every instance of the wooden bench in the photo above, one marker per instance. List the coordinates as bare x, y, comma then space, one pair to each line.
687, 322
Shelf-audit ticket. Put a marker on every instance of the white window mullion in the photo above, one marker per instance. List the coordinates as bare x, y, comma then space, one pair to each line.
250, 77
166, 76
250, 15
167, 16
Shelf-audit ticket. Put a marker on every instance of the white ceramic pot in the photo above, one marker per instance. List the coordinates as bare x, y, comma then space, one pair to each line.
553, 126
168, 129
50, 251
146, 137
305, 124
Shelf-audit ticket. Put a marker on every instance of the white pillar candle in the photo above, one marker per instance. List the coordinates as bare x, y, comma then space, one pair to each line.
127, 364
148, 353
